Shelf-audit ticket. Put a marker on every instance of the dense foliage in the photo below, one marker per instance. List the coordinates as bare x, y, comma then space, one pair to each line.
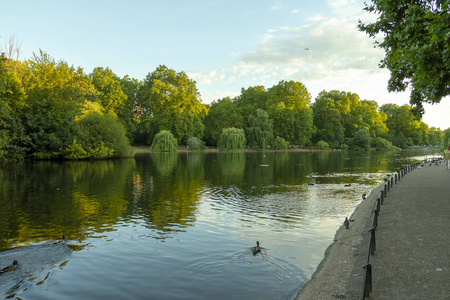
98, 136
280, 144
322, 145
164, 141
51, 110
260, 130
195, 144
415, 38
232, 139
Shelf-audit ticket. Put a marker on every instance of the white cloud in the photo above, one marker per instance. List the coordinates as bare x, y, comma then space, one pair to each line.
211, 78
317, 17
275, 7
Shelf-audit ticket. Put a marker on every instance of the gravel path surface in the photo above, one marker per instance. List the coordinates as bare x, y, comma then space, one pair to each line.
411, 260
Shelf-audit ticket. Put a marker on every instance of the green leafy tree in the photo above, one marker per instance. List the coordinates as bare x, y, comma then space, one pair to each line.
383, 144
361, 140
109, 90
434, 136
222, 114
195, 144
415, 39
404, 127
56, 94
98, 136
171, 101
339, 115
323, 145
250, 100
280, 143
327, 119
131, 113
364, 115
446, 138
164, 141
288, 107
12, 102
260, 130
232, 139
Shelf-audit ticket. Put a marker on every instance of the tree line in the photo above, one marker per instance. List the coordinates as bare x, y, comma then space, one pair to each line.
51, 110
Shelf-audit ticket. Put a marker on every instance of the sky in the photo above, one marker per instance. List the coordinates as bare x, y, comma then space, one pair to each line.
223, 45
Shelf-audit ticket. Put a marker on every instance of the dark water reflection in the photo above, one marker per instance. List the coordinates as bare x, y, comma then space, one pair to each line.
180, 225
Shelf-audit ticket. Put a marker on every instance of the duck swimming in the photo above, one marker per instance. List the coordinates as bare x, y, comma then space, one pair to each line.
256, 249
10, 268
61, 241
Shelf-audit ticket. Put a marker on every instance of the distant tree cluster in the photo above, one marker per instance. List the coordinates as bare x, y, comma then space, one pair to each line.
51, 110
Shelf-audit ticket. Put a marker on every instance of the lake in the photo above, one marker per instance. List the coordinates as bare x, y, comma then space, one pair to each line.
181, 225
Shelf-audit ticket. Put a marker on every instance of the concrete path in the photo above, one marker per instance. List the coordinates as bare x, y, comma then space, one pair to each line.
412, 257
412, 260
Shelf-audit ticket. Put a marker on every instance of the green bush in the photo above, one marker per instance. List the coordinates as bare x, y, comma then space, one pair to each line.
164, 142
279, 143
361, 140
195, 144
101, 152
322, 145
74, 151
98, 136
232, 139
383, 144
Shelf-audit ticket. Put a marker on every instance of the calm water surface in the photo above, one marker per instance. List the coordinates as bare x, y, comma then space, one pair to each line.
180, 225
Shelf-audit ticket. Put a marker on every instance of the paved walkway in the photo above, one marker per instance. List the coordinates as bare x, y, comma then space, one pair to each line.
412, 259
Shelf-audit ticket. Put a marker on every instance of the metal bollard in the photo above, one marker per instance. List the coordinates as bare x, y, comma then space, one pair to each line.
375, 219
385, 189
382, 197
367, 288
388, 185
372, 244
392, 181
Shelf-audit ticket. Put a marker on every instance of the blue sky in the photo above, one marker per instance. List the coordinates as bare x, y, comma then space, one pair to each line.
223, 45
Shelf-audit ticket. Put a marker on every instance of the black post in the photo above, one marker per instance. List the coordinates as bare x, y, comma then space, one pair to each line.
392, 181
375, 219
372, 244
367, 288
385, 189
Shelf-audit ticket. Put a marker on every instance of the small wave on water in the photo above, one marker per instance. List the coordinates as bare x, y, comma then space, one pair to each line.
36, 263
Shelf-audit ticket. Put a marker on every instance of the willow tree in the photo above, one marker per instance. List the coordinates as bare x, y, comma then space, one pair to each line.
222, 113
260, 130
164, 141
232, 139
